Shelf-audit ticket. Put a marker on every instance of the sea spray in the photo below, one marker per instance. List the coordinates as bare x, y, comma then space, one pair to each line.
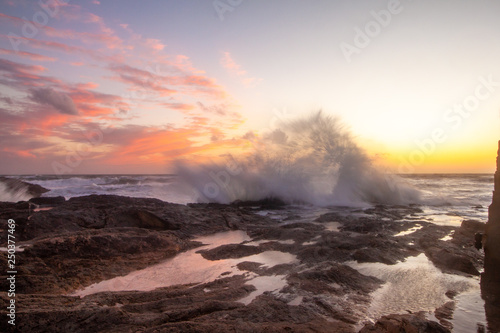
13, 195
310, 160
13, 190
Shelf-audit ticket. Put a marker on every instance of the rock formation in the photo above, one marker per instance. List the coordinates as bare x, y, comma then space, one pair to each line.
490, 279
88, 239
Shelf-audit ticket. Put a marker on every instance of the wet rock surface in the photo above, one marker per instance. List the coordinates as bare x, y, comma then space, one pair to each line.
405, 323
85, 240
490, 285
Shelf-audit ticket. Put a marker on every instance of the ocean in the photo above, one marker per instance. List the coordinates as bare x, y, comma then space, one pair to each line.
445, 198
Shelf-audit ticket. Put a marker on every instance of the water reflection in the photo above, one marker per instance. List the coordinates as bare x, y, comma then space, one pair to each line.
490, 293
191, 267
417, 285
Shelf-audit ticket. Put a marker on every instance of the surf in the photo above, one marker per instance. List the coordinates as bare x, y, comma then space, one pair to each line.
313, 160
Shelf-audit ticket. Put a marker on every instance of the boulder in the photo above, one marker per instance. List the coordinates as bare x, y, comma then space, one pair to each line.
48, 201
409, 323
230, 251
490, 279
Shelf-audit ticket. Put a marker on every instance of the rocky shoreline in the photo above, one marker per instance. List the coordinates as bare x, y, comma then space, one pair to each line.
490, 284
88, 239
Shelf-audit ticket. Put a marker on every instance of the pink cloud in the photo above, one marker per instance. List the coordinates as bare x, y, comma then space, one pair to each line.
51, 46
21, 76
178, 106
167, 85
51, 113
155, 44
87, 86
92, 103
235, 69
29, 55
228, 63
105, 36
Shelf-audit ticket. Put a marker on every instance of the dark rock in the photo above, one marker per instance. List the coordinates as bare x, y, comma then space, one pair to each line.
490, 285
466, 235
172, 309
292, 217
249, 266
230, 251
451, 294
330, 217
140, 218
478, 240
268, 203
449, 260
48, 200
319, 279
303, 225
299, 235
111, 211
445, 313
65, 263
409, 323
87, 239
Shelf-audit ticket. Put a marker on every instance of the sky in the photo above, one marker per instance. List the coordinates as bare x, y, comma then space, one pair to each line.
129, 86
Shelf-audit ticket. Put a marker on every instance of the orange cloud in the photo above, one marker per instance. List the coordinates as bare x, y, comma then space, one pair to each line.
87, 86
152, 146
53, 121
21, 153
44, 125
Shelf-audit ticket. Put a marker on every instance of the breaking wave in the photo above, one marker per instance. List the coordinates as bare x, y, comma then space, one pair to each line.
310, 160
10, 194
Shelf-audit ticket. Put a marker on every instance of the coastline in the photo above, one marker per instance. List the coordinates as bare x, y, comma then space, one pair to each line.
89, 239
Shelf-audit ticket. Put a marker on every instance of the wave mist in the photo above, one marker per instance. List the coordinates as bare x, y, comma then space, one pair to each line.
310, 160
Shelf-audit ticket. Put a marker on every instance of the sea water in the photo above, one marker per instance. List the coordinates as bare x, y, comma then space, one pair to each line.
446, 199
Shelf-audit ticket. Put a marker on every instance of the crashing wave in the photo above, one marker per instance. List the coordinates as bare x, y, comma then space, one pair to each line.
14, 190
310, 160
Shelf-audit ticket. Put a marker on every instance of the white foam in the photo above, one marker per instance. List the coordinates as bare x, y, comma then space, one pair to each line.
14, 195
313, 160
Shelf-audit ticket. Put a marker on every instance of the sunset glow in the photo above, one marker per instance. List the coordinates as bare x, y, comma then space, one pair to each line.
131, 87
